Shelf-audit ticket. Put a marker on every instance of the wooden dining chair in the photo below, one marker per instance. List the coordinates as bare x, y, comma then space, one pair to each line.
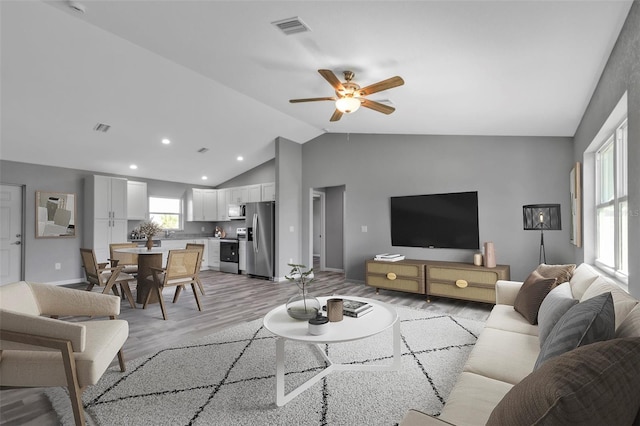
128, 260
200, 248
98, 274
181, 270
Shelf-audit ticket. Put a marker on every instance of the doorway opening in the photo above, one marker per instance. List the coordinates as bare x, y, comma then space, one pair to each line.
326, 242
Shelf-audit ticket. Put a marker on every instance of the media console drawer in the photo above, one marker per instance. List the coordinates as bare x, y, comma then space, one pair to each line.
464, 281
405, 275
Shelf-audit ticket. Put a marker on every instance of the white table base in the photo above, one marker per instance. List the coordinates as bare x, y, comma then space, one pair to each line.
282, 398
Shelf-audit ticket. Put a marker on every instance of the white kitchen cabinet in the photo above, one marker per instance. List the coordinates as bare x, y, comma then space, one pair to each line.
105, 214
202, 205
254, 193
214, 254
137, 202
239, 195
268, 191
224, 197
205, 254
242, 256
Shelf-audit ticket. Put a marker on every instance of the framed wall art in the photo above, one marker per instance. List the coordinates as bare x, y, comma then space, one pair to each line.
575, 190
55, 214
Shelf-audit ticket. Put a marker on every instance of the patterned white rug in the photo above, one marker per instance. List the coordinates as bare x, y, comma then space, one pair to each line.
228, 378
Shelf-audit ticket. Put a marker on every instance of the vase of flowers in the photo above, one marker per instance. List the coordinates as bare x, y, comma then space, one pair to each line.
149, 229
302, 306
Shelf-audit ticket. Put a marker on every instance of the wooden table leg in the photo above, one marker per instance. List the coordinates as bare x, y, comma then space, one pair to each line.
145, 277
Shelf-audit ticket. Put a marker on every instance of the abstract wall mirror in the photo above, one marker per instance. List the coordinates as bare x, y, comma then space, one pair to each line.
55, 214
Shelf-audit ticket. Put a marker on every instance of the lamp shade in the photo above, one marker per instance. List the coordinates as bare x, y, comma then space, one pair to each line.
347, 104
541, 217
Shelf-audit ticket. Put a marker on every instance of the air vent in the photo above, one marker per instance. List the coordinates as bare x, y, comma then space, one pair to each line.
291, 26
100, 127
203, 150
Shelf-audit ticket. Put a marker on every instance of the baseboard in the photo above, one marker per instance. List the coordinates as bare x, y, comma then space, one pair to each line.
334, 270
66, 282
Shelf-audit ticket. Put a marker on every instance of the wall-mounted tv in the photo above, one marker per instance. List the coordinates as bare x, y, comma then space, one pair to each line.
436, 221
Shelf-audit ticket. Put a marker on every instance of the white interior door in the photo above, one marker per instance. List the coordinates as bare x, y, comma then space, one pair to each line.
10, 234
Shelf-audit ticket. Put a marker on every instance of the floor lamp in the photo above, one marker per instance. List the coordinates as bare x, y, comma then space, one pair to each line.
541, 217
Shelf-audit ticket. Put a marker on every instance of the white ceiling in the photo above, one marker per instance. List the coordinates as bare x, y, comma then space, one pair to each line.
218, 75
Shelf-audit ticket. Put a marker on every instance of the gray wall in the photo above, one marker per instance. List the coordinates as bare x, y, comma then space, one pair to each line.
288, 205
334, 231
41, 254
264, 173
507, 172
622, 73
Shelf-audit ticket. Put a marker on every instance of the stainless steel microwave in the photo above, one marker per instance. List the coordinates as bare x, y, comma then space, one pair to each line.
236, 211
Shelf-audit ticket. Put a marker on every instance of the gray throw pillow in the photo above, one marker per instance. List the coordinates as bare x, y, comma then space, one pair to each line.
587, 322
553, 307
594, 385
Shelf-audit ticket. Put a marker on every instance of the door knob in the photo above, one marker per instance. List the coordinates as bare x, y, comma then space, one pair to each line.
17, 243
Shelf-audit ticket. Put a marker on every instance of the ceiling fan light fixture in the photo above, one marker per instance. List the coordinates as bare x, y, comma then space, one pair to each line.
348, 104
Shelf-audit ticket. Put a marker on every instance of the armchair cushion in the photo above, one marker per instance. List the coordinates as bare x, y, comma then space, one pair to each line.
45, 368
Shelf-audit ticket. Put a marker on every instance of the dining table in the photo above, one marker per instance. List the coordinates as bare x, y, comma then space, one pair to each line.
155, 257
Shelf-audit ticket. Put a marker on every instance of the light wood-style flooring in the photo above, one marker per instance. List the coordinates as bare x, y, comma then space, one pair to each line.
229, 300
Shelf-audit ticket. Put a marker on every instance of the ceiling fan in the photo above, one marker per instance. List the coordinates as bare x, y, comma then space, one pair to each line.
349, 96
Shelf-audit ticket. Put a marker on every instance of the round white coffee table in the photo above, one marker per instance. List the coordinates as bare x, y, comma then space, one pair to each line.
381, 318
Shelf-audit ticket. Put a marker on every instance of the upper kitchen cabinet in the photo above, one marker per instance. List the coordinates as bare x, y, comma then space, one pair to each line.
202, 205
268, 191
137, 202
246, 194
105, 214
239, 195
224, 199
254, 193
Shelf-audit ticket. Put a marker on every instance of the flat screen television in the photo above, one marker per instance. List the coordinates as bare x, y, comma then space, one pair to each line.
436, 221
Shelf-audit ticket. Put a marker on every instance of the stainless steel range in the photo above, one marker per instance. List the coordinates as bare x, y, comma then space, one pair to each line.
229, 258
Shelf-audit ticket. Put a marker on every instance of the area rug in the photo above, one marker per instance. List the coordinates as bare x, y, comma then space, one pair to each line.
228, 378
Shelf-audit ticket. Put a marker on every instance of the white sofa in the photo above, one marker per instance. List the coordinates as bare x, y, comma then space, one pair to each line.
507, 349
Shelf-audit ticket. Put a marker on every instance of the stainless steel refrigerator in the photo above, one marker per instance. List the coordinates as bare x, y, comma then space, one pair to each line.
260, 224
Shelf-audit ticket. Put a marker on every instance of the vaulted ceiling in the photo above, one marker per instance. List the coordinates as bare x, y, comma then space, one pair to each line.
218, 75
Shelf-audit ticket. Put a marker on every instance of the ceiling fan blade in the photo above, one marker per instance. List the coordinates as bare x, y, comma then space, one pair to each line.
332, 79
295, 101
337, 115
377, 106
382, 85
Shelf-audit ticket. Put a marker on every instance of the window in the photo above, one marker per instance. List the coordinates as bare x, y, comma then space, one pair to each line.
167, 212
612, 206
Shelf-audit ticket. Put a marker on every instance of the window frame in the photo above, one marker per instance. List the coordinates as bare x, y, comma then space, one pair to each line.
180, 214
617, 139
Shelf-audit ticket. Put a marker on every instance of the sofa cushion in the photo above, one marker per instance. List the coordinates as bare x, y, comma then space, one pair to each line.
581, 279
472, 399
503, 355
562, 273
587, 322
623, 302
630, 327
596, 384
531, 294
553, 307
504, 317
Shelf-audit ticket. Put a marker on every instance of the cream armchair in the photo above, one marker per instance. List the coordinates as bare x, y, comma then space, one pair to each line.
36, 351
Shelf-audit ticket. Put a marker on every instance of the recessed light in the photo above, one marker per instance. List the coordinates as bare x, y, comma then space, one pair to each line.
204, 178
133, 167
240, 158
166, 141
